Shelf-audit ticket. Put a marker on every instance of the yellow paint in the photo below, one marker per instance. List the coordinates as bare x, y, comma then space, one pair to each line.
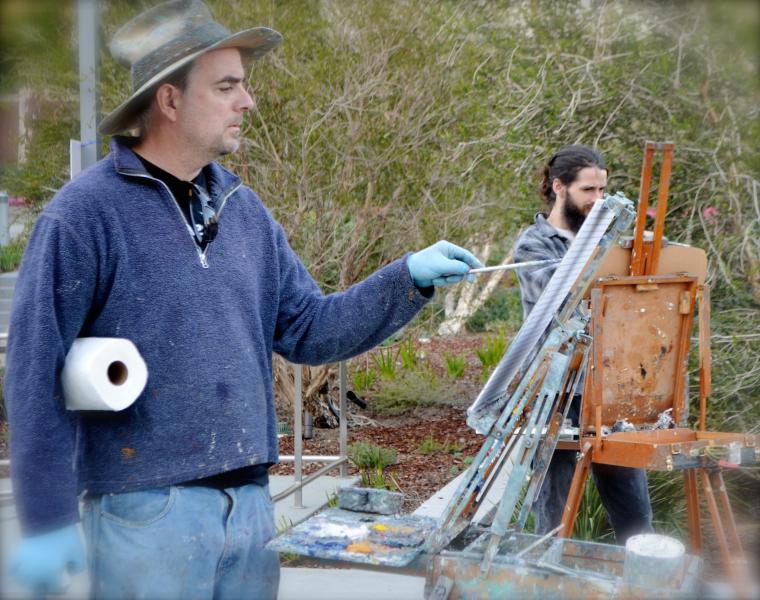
362, 547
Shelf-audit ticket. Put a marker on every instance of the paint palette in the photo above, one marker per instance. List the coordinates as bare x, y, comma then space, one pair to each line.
336, 534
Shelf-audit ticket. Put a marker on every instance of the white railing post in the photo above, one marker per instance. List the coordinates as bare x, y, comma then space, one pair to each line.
298, 458
4, 224
343, 418
298, 436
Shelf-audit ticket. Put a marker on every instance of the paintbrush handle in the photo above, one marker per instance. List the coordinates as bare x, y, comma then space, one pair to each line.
510, 266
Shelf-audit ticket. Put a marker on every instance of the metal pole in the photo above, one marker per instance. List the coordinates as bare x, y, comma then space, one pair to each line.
298, 435
87, 25
4, 235
343, 416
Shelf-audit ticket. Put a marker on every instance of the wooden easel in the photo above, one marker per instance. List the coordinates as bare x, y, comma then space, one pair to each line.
641, 327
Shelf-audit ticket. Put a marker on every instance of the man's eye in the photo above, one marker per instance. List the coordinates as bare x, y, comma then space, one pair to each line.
226, 88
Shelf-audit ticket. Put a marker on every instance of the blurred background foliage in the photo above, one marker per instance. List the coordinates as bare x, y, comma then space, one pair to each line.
380, 127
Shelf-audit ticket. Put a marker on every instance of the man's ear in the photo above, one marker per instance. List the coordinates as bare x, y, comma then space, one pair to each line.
558, 187
167, 99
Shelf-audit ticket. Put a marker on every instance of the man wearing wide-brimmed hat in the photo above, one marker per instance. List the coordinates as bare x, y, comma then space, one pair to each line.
159, 244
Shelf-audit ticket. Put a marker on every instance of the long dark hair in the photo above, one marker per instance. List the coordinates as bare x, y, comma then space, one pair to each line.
564, 165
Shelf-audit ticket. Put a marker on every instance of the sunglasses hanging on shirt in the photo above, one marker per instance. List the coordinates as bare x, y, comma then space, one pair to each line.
204, 219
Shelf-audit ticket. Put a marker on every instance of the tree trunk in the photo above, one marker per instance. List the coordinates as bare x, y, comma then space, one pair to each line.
316, 382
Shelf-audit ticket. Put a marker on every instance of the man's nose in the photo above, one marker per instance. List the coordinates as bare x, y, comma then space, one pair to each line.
246, 102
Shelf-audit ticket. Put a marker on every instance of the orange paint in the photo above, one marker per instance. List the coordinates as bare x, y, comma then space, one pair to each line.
127, 452
363, 547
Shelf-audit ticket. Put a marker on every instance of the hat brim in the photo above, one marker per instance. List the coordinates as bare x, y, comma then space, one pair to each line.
255, 43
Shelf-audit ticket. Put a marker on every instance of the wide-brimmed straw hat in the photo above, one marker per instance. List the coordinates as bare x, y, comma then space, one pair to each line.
161, 40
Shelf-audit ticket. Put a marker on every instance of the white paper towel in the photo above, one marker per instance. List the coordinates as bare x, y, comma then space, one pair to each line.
103, 374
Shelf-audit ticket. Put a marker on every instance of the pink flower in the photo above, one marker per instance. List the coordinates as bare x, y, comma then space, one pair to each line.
651, 212
710, 213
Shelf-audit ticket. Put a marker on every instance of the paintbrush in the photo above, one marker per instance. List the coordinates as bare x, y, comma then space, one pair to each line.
510, 266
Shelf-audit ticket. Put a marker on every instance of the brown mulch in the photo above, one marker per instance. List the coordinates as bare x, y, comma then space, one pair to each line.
417, 474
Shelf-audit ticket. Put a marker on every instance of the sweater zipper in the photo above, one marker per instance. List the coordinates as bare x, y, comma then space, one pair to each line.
204, 260
201, 253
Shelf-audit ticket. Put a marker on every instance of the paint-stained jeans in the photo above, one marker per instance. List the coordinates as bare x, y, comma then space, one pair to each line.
182, 542
623, 491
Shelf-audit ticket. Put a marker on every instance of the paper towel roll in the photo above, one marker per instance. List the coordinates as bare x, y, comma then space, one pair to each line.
103, 374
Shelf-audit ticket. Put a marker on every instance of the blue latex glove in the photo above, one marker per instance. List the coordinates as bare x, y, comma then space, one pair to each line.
443, 263
41, 560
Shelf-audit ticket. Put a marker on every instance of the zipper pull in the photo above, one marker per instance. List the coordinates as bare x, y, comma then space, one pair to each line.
204, 262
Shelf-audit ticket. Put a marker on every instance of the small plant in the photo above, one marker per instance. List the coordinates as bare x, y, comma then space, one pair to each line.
591, 523
408, 353
430, 445
491, 352
332, 500
11, 253
363, 380
385, 361
283, 524
371, 460
454, 470
455, 365
410, 390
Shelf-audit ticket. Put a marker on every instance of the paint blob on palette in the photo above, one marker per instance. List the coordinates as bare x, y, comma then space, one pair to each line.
337, 534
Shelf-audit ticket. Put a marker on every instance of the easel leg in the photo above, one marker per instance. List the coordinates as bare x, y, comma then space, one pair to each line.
733, 537
742, 578
712, 505
733, 559
692, 509
575, 494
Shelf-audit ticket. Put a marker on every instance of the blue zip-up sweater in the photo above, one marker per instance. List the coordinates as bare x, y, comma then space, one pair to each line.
111, 256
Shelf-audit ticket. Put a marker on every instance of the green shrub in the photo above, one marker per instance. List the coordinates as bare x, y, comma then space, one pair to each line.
363, 379
385, 361
410, 390
371, 460
430, 446
491, 351
408, 353
11, 253
591, 523
668, 498
283, 524
455, 365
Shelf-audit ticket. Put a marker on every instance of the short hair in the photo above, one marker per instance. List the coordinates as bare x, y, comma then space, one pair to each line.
565, 165
178, 79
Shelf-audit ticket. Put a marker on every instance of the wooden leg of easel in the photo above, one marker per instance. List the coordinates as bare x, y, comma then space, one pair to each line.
742, 578
734, 563
712, 506
575, 494
718, 484
692, 509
